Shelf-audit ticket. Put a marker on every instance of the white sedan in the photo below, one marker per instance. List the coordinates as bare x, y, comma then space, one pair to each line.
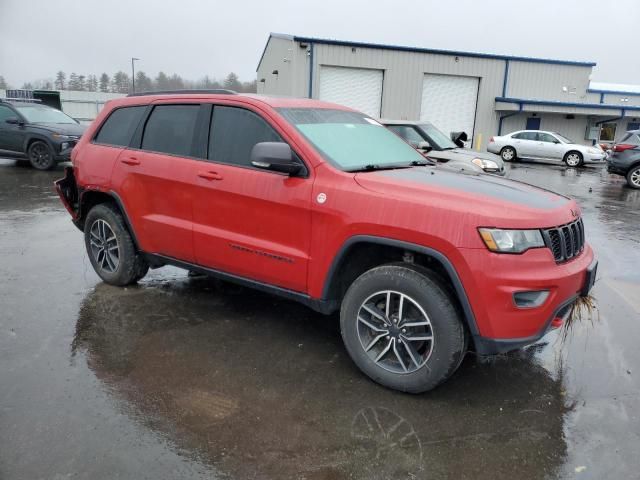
539, 145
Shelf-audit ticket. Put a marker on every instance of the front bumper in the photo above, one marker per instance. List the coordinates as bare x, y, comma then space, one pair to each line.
503, 326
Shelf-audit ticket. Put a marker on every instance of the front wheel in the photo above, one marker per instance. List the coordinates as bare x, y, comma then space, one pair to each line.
573, 159
110, 247
40, 155
633, 177
508, 154
402, 328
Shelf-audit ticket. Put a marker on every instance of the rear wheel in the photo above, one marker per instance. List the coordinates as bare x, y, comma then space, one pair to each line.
110, 247
633, 177
41, 155
508, 154
573, 159
402, 328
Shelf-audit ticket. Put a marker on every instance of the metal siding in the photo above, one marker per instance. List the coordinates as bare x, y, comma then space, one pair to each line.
277, 50
544, 82
404, 73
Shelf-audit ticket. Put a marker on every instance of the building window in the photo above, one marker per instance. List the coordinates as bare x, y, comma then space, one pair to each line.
607, 132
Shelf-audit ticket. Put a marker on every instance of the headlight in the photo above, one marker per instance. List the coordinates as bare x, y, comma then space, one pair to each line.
511, 241
482, 163
59, 136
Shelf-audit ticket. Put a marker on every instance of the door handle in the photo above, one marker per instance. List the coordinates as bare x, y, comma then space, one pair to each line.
131, 161
210, 175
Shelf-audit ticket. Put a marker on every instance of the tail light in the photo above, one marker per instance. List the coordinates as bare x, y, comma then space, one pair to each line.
622, 147
491, 140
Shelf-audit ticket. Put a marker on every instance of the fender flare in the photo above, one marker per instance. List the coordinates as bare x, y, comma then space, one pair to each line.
36, 136
467, 311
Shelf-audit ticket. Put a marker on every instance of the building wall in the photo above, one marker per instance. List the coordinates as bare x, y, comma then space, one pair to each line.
545, 81
279, 56
404, 74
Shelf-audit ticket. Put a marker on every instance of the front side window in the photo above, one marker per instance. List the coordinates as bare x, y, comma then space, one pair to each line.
351, 140
44, 114
437, 138
234, 132
563, 138
5, 113
545, 137
607, 132
119, 127
170, 129
408, 133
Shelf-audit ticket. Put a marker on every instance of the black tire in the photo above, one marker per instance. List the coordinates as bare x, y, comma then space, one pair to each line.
571, 157
40, 155
424, 293
508, 154
633, 177
129, 266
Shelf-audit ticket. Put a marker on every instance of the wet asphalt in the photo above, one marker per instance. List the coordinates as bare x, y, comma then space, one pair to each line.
184, 377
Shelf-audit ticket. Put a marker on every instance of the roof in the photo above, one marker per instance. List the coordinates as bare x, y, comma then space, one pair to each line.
386, 121
553, 103
620, 88
402, 48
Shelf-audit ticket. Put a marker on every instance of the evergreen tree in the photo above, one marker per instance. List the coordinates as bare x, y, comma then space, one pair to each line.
121, 83
81, 82
143, 83
232, 82
92, 83
104, 82
60, 82
3, 83
162, 81
73, 84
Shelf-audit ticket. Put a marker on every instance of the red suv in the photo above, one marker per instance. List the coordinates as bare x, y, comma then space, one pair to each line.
321, 204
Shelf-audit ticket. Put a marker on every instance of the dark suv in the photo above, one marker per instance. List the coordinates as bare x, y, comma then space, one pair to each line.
625, 158
45, 135
323, 205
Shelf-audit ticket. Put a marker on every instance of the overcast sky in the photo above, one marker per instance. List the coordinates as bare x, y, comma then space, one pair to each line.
196, 37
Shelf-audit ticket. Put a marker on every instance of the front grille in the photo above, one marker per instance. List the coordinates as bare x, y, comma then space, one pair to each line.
565, 241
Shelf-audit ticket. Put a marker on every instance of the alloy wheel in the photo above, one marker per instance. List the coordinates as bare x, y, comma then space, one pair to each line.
39, 155
634, 178
104, 246
395, 332
507, 154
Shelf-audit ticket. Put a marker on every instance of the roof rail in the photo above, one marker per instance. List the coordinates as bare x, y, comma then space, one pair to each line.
220, 91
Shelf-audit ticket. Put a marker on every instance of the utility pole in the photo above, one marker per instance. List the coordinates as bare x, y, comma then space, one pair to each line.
133, 74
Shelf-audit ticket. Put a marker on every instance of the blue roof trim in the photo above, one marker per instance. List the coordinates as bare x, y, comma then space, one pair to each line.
611, 92
442, 52
601, 106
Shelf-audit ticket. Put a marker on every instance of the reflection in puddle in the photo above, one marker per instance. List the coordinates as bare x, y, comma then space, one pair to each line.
262, 388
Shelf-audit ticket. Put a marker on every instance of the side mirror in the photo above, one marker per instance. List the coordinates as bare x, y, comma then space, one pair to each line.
275, 156
458, 138
14, 121
424, 146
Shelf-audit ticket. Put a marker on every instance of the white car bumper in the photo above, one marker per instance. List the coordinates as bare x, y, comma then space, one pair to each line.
595, 157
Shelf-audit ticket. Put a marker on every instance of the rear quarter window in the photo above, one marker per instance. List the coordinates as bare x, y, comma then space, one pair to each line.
118, 129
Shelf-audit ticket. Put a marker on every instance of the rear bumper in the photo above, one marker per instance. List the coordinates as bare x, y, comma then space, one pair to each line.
595, 158
501, 324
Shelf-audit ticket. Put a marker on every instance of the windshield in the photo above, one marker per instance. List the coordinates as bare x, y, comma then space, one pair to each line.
42, 114
351, 140
563, 138
436, 137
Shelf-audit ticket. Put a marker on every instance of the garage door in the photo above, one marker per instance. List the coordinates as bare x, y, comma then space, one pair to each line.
449, 102
358, 88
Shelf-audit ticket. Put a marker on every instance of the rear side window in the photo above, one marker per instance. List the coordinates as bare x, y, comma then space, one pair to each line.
234, 132
630, 139
120, 126
170, 129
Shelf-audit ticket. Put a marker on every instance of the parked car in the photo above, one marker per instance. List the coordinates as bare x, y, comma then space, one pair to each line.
323, 205
539, 145
45, 135
426, 137
625, 158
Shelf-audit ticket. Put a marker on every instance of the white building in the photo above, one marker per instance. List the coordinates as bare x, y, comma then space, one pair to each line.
481, 94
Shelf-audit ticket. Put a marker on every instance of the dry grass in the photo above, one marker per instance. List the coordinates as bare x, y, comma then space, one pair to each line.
584, 309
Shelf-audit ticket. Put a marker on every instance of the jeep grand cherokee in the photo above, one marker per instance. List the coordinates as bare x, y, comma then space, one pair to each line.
321, 204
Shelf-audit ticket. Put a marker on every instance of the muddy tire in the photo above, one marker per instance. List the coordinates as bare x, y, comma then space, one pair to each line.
110, 247
402, 328
508, 154
40, 155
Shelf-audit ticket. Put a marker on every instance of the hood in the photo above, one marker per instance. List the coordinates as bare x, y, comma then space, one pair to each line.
494, 201
61, 128
464, 154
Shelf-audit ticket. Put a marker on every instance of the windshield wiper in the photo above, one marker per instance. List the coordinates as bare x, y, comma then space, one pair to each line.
421, 163
371, 167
